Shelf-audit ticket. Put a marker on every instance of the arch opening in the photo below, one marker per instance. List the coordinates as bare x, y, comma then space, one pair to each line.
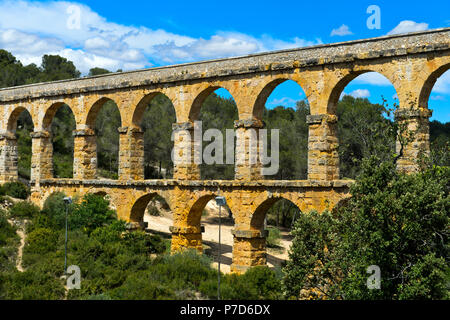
20, 123
104, 117
217, 110
153, 213
60, 121
155, 115
278, 216
364, 103
204, 215
283, 106
436, 96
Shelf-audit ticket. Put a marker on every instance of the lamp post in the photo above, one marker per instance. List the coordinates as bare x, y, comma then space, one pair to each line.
67, 201
221, 202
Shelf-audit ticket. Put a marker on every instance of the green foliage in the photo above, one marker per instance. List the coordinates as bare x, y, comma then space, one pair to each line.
41, 241
92, 213
293, 139
24, 210
15, 189
157, 123
107, 122
63, 125
273, 240
30, 285
8, 241
97, 72
397, 222
364, 131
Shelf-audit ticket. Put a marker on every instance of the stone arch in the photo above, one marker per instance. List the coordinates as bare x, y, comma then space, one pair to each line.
14, 116
140, 205
429, 83
195, 212
95, 109
259, 215
267, 90
194, 112
50, 114
142, 105
338, 88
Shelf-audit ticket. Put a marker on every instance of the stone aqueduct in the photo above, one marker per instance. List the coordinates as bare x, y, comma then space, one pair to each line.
412, 62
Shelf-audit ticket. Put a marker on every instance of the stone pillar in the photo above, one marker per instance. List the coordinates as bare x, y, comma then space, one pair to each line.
85, 155
323, 156
186, 238
415, 122
131, 154
42, 156
9, 170
248, 165
249, 250
185, 152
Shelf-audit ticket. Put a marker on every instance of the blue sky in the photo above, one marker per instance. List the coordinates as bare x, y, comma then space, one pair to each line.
139, 34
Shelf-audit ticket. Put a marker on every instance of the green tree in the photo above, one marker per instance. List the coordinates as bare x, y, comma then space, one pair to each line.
395, 221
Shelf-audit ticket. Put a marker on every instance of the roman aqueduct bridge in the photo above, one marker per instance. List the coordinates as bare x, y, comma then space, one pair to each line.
412, 62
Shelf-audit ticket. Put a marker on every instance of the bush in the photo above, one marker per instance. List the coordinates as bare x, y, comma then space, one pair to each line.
265, 282
42, 241
273, 240
24, 210
55, 209
31, 285
16, 190
92, 213
7, 231
395, 221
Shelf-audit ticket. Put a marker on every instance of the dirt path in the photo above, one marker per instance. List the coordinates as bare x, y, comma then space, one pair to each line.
21, 233
275, 257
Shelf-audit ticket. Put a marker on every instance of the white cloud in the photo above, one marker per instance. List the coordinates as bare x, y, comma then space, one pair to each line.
105, 44
360, 93
343, 30
286, 102
442, 85
437, 98
373, 78
408, 26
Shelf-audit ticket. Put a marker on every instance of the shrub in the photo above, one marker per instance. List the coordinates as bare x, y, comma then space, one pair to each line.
42, 241
24, 210
7, 231
141, 242
273, 240
16, 190
395, 221
55, 209
31, 285
92, 213
265, 282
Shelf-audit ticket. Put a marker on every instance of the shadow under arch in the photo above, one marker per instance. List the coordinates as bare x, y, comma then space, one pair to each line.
338, 89
260, 103
428, 86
